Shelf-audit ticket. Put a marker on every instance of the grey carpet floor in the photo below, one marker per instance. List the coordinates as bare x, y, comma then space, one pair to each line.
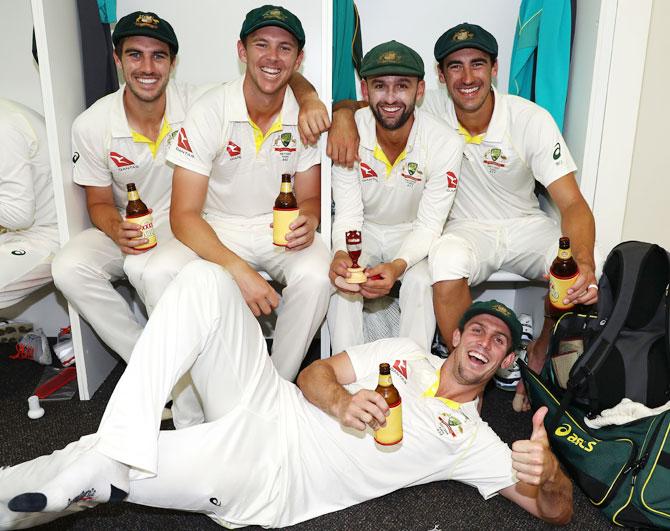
435, 507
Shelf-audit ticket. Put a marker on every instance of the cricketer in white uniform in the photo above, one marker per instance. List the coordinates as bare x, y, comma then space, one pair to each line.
28, 226
496, 221
230, 154
273, 455
401, 206
109, 152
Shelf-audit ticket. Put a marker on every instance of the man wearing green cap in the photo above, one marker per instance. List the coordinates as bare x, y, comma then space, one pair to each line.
398, 196
275, 455
496, 223
124, 138
230, 154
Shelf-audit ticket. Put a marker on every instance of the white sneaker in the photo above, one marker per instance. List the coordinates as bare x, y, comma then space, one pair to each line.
506, 379
33, 346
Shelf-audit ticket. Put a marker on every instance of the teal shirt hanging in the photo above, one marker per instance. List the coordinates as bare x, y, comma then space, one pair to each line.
346, 49
541, 54
107, 10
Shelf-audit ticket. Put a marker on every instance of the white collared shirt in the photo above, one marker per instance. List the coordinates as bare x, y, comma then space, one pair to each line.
26, 192
522, 144
217, 140
417, 190
104, 152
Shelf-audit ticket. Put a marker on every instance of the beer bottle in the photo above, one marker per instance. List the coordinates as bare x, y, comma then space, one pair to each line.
391, 433
284, 211
562, 275
138, 213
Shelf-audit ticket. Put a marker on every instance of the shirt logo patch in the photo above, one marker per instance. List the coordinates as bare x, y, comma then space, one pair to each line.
411, 173
75, 157
367, 171
452, 180
18, 252
557, 151
233, 150
400, 368
285, 145
182, 141
120, 160
449, 425
494, 157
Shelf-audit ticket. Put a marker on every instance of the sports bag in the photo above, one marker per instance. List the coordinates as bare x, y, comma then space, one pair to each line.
626, 349
623, 470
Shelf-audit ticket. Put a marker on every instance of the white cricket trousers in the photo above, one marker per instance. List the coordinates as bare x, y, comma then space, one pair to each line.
304, 299
417, 317
228, 467
25, 262
84, 270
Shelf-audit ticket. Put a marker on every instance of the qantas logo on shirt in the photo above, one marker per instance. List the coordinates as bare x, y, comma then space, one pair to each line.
367, 171
452, 180
400, 367
182, 141
233, 149
120, 160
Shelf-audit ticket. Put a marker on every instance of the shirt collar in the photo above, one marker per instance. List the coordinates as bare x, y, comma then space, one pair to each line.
432, 389
497, 126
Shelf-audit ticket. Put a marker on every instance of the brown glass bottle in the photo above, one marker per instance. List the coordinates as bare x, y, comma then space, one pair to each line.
391, 433
137, 212
284, 211
562, 275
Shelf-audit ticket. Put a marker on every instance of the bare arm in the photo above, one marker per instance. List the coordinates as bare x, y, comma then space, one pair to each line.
343, 136
189, 190
543, 488
322, 384
307, 188
578, 224
313, 118
105, 216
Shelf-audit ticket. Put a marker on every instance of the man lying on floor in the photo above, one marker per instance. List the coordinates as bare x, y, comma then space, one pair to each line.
272, 455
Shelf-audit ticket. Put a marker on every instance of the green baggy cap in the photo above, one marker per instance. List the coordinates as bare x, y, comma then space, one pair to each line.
465, 36
273, 16
392, 58
145, 24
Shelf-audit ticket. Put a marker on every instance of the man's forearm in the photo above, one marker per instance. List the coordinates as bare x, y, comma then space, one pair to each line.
311, 207
319, 385
578, 224
194, 232
554, 498
106, 218
350, 105
302, 89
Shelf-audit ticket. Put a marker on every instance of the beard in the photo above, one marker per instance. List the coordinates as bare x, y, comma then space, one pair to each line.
391, 124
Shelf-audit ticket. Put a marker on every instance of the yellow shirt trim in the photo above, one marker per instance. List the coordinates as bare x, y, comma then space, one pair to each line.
153, 146
379, 154
470, 139
259, 137
432, 389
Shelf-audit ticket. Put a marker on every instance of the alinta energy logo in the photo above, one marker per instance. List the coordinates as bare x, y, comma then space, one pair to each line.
565, 430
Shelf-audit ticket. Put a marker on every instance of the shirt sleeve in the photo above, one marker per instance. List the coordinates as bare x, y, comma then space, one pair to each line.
366, 358
17, 194
89, 157
433, 102
309, 156
445, 153
348, 204
200, 137
546, 153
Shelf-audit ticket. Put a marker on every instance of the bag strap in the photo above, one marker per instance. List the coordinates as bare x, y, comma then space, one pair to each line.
631, 259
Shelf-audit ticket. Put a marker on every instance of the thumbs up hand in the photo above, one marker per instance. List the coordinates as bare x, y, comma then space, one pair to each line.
532, 459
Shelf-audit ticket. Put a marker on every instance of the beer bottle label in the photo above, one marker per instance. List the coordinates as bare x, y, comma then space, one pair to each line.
558, 290
146, 223
285, 188
564, 254
133, 195
281, 219
392, 432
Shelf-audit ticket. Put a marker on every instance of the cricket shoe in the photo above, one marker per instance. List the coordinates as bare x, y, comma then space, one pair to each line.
33, 346
507, 379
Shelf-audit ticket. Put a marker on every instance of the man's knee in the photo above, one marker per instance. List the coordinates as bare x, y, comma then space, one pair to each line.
68, 268
450, 258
